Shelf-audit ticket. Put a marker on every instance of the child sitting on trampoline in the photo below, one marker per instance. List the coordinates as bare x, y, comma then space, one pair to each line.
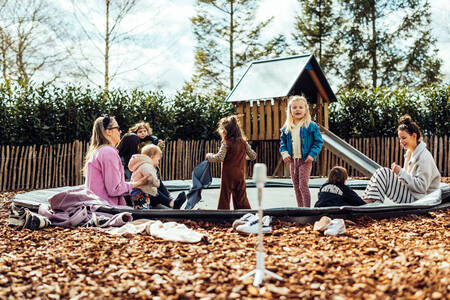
232, 154
148, 196
335, 193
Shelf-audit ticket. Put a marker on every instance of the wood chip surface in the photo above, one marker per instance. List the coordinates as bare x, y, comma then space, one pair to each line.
398, 258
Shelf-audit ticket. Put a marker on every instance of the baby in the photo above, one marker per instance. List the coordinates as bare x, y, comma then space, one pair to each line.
148, 196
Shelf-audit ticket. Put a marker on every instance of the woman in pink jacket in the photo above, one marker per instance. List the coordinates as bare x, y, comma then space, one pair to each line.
103, 168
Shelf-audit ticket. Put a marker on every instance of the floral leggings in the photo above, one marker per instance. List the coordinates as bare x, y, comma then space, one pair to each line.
300, 172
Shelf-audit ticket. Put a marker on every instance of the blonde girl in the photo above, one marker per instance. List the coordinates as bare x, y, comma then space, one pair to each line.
300, 143
103, 168
233, 154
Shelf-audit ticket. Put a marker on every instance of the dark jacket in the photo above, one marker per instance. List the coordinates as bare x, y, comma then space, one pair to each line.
149, 139
337, 195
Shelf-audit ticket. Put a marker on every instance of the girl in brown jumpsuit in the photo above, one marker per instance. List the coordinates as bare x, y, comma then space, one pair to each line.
232, 153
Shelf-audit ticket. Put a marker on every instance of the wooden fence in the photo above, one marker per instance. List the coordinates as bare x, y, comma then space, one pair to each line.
38, 167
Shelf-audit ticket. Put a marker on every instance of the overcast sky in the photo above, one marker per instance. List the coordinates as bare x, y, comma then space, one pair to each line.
164, 56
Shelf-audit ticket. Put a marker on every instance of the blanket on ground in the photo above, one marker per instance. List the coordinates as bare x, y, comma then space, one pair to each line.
169, 231
78, 207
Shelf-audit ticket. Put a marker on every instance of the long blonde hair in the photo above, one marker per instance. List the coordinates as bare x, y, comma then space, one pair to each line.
98, 139
289, 124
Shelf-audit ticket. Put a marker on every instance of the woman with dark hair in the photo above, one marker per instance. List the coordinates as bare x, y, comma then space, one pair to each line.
418, 177
129, 145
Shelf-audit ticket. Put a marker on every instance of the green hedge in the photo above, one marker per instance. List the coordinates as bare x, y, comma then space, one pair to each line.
371, 113
50, 115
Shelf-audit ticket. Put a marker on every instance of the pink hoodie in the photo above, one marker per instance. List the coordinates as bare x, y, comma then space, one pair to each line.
141, 165
105, 176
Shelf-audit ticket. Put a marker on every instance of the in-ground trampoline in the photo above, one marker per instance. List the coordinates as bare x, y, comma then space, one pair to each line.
278, 202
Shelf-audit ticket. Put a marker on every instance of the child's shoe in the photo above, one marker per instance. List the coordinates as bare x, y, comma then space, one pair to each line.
21, 217
17, 217
337, 226
35, 221
252, 226
322, 224
244, 219
181, 198
266, 221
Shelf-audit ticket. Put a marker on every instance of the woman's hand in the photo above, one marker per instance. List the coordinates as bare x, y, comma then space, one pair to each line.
141, 182
395, 168
309, 159
287, 159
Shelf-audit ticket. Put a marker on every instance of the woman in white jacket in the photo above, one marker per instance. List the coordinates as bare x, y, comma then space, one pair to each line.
418, 177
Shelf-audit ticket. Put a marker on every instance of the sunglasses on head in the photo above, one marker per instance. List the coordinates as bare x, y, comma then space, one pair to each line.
106, 120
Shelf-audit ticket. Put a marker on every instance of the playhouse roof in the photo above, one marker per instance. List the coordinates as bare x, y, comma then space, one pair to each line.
280, 77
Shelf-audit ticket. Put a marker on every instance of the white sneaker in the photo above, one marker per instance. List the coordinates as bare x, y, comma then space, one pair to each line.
337, 226
252, 226
244, 219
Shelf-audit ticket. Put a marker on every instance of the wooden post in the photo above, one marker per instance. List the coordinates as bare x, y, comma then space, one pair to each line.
325, 114
283, 106
32, 170
262, 121
254, 122
447, 165
77, 150
240, 114
319, 110
440, 152
2, 165
247, 115
276, 119
23, 167
321, 159
269, 120
57, 165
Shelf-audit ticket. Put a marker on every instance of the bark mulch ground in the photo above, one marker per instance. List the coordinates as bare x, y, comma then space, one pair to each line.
397, 258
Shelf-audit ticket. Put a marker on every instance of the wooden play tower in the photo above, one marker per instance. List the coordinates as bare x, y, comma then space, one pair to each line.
261, 96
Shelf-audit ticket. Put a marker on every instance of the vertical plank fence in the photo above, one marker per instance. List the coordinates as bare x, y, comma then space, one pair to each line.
38, 167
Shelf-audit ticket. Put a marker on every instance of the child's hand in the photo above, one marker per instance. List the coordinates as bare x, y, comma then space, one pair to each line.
208, 155
309, 159
160, 143
287, 159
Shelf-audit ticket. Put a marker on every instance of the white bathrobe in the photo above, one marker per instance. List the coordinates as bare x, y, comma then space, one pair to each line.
420, 172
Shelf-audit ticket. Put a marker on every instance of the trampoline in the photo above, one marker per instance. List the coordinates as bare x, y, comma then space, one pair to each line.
278, 202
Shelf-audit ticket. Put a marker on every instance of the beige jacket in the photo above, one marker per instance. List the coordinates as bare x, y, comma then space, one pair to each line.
141, 165
420, 172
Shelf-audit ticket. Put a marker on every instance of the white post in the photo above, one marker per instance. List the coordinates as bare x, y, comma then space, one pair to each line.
260, 178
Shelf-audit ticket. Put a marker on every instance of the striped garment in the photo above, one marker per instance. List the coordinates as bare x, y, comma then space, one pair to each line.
385, 182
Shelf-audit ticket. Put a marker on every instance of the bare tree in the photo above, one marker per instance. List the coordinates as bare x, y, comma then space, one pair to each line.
30, 41
108, 36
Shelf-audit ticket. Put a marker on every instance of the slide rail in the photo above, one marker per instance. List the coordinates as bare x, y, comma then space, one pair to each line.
347, 152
